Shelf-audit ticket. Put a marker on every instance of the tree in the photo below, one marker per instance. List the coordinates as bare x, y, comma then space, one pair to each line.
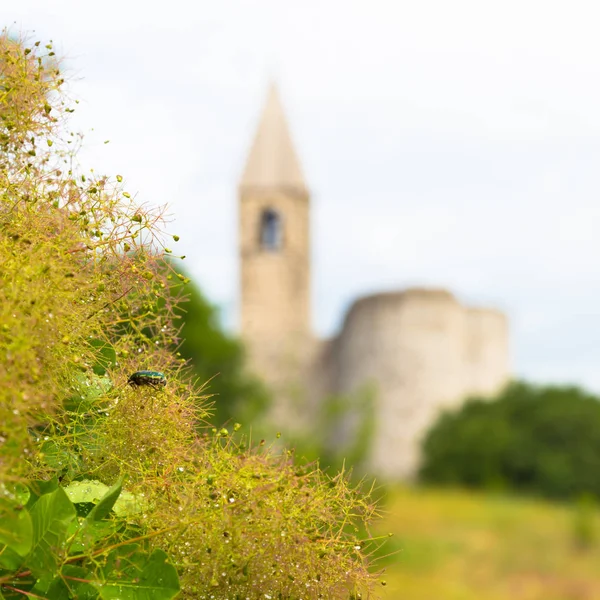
219, 359
543, 440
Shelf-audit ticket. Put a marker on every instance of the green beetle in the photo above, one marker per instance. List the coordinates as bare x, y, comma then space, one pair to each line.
153, 378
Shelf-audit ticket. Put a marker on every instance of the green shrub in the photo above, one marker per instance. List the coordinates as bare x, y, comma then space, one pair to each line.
585, 521
76, 543
342, 433
542, 440
217, 358
109, 489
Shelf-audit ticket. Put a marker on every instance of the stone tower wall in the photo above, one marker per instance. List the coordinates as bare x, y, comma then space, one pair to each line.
420, 348
414, 346
487, 350
275, 284
275, 291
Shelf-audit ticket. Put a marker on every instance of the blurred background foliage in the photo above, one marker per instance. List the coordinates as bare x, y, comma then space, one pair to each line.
453, 544
506, 505
542, 440
217, 359
506, 502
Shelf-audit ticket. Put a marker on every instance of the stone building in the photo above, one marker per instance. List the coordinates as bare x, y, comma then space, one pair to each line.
421, 349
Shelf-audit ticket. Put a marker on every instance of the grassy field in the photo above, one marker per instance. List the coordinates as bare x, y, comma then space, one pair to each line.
454, 545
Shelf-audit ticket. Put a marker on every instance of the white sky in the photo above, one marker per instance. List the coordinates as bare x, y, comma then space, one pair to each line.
446, 143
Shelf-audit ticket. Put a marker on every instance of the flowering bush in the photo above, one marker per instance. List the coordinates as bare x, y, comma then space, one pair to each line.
112, 490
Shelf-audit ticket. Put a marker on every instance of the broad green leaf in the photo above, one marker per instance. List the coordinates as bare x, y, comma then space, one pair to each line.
10, 560
72, 530
60, 457
50, 516
106, 503
129, 504
43, 583
58, 451
105, 355
94, 528
88, 537
72, 582
38, 488
86, 389
126, 504
87, 435
57, 590
142, 578
79, 579
125, 554
86, 491
95, 501
22, 493
16, 529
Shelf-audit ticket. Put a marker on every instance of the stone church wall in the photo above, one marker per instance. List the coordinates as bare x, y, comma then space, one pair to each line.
423, 351
487, 350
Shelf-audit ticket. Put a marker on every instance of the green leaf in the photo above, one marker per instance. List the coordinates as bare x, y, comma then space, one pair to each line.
50, 516
43, 583
72, 582
87, 390
38, 488
87, 535
22, 493
92, 491
94, 533
57, 590
86, 491
103, 508
16, 528
60, 458
94, 528
129, 504
10, 560
79, 579
132, 575
106, 357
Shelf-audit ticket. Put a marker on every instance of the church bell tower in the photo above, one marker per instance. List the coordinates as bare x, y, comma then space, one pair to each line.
275, 258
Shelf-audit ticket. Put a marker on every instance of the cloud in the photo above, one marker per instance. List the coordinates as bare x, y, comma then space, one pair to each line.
446, 143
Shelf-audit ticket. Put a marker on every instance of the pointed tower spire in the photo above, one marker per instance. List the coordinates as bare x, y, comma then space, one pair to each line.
274, 247
272, 162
